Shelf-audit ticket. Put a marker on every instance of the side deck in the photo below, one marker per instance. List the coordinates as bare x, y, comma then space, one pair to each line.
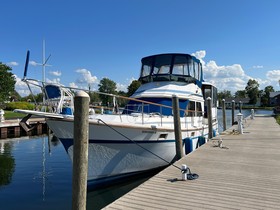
243, 174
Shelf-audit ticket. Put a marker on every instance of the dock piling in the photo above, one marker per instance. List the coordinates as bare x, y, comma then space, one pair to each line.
252, 114
232, 111
240, 125
80, 151
224, 115
177, 127
209, 113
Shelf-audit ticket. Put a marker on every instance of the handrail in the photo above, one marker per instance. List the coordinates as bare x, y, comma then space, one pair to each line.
143, 102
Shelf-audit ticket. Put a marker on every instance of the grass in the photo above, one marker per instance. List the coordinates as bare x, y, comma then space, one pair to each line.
277, 117
13, 115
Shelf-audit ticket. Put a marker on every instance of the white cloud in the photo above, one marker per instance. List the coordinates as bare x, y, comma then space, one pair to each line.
12, 63
200, 55
22, 88
233, 77
56, 81
33, 63
55, 73
86, 77
73, 85
230, 77
257, 67
273, 78
121, 87
273, 75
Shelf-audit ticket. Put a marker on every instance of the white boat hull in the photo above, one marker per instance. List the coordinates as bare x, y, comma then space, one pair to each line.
117, 151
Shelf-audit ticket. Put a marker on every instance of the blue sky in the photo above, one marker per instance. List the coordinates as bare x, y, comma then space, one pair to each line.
236, 40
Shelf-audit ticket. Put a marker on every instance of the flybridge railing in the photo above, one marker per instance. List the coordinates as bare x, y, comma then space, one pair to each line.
142, 105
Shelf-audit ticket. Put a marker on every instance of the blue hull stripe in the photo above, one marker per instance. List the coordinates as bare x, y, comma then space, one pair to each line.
69, 142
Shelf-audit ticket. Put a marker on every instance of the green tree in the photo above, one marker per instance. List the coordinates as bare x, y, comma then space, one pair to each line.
134, 85
94, 97
39, 97
265, 96
107, 86
7, 82
252, 90
224, 94
122, 101
240, 94
15, 96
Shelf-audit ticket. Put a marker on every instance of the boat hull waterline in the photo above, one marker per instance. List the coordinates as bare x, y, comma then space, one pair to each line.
135, 151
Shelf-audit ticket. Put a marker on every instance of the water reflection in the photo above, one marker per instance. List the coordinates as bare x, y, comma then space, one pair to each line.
7, 163
98, 199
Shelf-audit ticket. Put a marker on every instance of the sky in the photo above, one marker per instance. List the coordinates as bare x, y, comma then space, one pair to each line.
88, 40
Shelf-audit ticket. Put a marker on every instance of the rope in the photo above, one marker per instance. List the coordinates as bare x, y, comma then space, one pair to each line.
190, 175
99, 120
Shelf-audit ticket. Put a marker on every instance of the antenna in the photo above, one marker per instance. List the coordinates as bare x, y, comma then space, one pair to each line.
26, 65
44, 61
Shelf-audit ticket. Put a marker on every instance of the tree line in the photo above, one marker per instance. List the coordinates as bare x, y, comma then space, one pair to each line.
251, 91
8, 92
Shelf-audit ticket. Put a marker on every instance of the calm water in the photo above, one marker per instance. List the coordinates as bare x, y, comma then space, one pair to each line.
36, 173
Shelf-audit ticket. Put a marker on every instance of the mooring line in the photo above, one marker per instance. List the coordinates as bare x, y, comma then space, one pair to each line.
138, 144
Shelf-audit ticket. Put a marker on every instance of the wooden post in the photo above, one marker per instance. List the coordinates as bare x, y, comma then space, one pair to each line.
17, 131
224, 115
209, 113
177, 127
80, 151
39, 129
232, 111
4, 133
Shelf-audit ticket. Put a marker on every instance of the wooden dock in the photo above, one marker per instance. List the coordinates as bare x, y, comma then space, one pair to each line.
245, 174
11, 128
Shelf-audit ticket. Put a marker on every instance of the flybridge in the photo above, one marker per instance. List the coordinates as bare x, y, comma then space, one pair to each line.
171, 67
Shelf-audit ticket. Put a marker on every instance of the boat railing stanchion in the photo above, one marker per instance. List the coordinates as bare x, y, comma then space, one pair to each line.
80, 151
161, 115
209, 115
142, 113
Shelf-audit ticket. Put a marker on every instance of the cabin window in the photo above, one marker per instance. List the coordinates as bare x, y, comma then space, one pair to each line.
162, 136
191, 109
178, 69
196, 70
191, 69
207, 93
199, 109
146, 70
199, 71
163, 70
162, 64
180, 66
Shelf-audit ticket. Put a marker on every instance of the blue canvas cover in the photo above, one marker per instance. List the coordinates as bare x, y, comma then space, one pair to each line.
52, 91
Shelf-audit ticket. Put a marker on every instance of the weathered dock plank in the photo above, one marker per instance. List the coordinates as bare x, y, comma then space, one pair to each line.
243, 175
